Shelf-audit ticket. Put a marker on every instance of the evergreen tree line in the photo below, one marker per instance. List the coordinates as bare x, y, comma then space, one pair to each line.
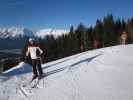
105, 33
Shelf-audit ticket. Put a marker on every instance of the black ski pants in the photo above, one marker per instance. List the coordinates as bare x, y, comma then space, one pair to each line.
36, 67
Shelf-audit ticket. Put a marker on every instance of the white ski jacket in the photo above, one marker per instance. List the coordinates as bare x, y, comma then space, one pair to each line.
33, 52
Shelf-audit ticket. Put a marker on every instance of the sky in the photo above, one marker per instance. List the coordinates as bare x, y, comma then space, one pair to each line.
60, 14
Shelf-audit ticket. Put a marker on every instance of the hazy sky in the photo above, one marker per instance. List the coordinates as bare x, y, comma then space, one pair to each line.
60, 13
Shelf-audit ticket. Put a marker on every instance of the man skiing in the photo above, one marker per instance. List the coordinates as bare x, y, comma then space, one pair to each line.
35, 52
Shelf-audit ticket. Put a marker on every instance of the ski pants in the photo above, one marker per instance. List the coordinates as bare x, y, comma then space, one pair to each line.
36, 67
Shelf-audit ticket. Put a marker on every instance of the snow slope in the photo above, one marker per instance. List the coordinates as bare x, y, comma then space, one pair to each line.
104, 74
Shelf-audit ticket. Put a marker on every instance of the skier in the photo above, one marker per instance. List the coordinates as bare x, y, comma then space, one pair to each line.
96, 44
35, 54
81, 46
124, 38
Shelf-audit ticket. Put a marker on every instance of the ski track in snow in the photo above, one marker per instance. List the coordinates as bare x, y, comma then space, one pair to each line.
102, 74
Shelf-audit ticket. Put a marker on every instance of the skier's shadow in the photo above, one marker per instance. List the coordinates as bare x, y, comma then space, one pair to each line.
71, 66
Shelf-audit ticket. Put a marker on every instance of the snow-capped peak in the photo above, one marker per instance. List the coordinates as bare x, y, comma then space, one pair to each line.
55, 32
13, 32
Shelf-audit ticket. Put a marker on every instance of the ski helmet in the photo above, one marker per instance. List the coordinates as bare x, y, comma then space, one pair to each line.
31, 40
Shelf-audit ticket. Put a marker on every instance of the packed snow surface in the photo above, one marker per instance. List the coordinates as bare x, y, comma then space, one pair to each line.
103, 74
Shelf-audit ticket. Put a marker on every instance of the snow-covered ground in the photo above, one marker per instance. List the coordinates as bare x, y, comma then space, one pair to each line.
104, 74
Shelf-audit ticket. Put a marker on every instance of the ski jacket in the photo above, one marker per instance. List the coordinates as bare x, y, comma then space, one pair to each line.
32, 50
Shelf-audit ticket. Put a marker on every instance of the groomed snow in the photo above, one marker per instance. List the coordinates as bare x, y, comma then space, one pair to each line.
104, 74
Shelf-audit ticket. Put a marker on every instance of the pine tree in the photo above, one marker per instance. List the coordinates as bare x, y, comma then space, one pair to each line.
99, 33
129, 28
109, 30
80, 33
89, 38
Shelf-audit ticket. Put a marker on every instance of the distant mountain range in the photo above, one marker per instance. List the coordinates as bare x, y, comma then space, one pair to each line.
17, 32
55, 32
15, 37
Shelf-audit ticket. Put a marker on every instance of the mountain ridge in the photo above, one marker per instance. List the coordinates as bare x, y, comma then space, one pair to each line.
16, 32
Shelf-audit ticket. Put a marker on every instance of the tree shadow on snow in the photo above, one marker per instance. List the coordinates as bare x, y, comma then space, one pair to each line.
71, 66
55, 64
27, 69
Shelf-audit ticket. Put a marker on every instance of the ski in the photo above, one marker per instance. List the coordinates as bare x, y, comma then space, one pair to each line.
37, 82
29, 82
22, 91
34, 82
25, 91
